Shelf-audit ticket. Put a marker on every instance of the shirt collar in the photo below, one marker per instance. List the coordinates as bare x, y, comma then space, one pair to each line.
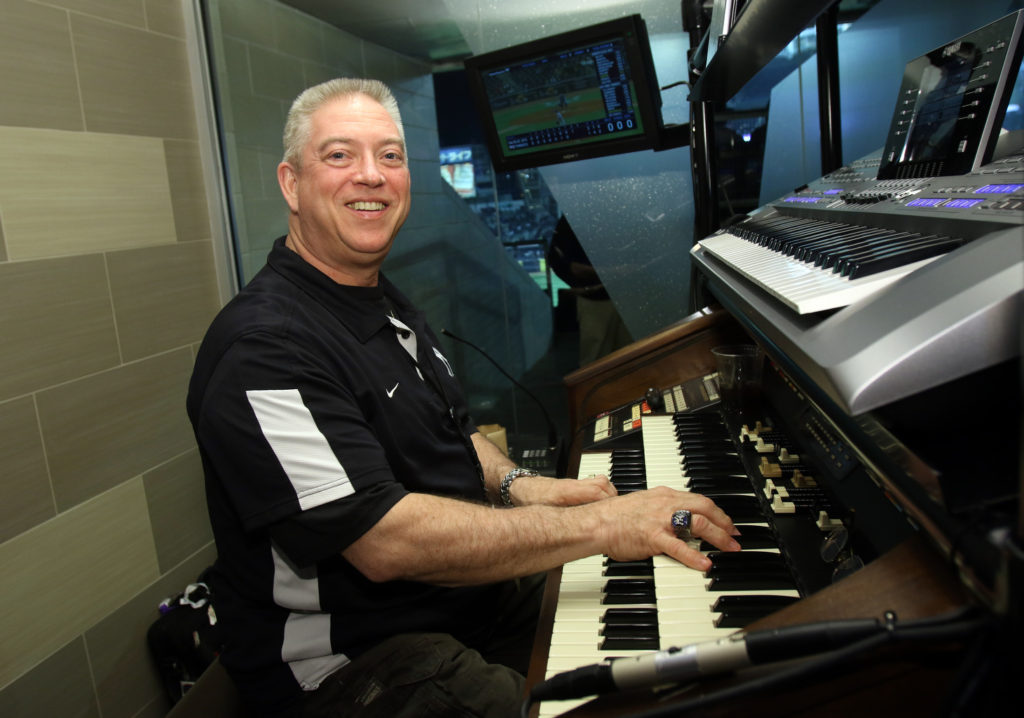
361, 309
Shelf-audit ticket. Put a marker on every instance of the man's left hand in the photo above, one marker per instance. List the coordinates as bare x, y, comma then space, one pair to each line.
534, 490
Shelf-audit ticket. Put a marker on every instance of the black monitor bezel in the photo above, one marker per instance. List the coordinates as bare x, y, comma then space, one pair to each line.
633, 32
979, 130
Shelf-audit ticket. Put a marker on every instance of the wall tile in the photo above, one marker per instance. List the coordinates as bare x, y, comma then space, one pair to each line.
425, 175
3, 244
423, 144
133, 81
61, 326
298, 34
262, 119
101, 430
127, 681
157, 708
248, 173
165, 17
269, 220
275, 75
112, 192
232, 71
59, 686
177, 508
188, 196
37, 72
247, 20
28, 499
418, 110
344, 52
126, 12
163, 297
315, 73
65, 575
268, 174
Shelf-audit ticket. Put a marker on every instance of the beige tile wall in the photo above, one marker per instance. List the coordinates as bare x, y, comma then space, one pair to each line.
107, 283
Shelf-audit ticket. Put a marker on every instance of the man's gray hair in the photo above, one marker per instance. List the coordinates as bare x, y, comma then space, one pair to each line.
298, 126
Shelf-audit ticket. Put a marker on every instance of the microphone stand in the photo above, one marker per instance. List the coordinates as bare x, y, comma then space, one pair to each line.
554, 440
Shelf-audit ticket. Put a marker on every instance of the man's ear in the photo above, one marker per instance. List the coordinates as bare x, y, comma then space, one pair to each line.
288, 179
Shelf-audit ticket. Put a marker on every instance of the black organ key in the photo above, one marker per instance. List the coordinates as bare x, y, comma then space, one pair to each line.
630, 617
628, 568
751, 581
751, 604
746, 561
741, 611
696, 464
750, 538
741, 509
631, 643
628, 590
723, 485
627, 470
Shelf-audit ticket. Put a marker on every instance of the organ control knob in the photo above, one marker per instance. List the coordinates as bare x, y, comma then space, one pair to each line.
787, 458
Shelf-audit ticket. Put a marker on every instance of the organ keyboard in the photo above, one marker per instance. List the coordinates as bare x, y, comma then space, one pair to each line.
612, 609
855, 470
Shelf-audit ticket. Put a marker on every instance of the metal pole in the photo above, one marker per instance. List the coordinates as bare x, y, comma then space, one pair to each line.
828, 90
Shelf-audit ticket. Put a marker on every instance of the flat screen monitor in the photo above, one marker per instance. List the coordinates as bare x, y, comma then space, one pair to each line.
951, 103
585, 93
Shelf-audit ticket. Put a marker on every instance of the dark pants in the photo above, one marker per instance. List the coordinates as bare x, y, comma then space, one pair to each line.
423, 675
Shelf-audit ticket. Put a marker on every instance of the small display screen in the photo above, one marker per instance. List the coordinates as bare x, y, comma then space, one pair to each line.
951, 102
998, 188
925, 202
962, 203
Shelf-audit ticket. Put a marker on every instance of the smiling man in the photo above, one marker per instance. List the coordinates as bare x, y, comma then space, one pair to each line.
376, 555
347, 185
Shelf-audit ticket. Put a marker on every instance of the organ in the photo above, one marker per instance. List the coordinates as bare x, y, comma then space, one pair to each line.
881, 475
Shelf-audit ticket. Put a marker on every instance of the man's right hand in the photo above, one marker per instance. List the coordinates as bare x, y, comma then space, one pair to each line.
639, 525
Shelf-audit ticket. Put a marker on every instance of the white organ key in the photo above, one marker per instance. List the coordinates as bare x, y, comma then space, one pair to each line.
662, 462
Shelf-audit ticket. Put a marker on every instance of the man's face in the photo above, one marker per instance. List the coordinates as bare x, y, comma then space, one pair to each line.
351, 194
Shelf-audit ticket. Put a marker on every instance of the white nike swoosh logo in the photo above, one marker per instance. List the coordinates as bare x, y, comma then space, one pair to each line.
391, 393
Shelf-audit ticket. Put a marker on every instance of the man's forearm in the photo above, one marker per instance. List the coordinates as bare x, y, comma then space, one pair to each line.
450, 542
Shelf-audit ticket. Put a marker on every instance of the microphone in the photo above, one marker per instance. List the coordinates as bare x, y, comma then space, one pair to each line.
696, 660
554, 441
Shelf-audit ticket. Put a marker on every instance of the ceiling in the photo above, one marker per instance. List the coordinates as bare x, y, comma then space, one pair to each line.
422, 29
447, 31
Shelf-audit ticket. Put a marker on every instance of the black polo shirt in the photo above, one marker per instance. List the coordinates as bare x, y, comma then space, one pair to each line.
316, 407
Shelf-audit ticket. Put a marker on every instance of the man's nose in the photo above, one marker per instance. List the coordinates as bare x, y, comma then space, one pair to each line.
369, 173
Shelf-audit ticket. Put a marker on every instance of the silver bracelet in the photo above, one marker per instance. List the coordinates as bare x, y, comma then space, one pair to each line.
507, 482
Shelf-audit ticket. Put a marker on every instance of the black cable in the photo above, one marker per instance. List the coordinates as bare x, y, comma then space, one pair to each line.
945, 627
925, 630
